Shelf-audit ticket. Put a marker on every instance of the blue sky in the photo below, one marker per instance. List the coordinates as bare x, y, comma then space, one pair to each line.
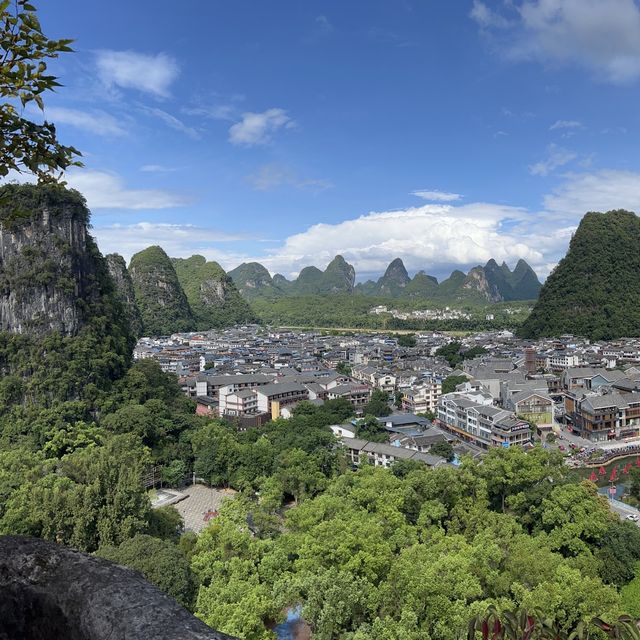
445, 133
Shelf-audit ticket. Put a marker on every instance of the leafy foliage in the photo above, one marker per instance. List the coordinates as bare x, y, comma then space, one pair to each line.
161, 563
414, 554
450, 383
24, 53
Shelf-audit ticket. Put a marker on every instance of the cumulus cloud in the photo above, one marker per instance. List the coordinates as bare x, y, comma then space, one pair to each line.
431, 237
94, 121
556, 157
104, 190
436, 196
178, 240
152, 74
259, 128
600, 35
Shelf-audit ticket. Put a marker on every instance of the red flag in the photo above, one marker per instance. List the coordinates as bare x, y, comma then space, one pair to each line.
593, 477
626, 468
601, 471
638, 461
614, 474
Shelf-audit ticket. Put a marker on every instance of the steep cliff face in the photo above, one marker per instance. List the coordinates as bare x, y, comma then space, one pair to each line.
159, 296
476, 283
213, 297
48, 262
63, 332
124, 290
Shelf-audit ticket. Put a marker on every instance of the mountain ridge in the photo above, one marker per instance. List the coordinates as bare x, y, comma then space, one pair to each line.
488, 283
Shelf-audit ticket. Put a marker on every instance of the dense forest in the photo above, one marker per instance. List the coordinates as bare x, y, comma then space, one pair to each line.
594, 290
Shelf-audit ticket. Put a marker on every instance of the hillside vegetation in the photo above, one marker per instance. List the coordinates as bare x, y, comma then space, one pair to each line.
595, 290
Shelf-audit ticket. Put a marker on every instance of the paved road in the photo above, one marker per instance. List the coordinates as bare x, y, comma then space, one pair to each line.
623, 510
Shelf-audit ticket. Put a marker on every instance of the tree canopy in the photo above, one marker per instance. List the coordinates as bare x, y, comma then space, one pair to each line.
24, 53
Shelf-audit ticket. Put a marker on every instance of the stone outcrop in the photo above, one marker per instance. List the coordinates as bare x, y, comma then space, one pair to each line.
213, 297
49, 264
124, 290
50, 592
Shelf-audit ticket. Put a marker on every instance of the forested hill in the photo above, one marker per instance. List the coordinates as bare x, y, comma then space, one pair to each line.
213, 297
488, 283
595, 289
64, 334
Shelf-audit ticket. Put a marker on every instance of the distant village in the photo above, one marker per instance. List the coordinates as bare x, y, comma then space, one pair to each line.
515, 393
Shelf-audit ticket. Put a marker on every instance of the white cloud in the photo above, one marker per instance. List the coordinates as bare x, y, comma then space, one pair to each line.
178, 240
171, 121
258, 128
600, 191
432, 237
600, 35
436, 196
271, 176
565, 124
556, 157
94, 121
152, 74
104, 190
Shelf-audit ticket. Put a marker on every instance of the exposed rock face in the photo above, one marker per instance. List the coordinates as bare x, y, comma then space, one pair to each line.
124, 289
476, 282
213, 297
339, 276
49, 592
159, 296
48, 262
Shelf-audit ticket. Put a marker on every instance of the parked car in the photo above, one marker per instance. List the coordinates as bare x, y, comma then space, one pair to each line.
633, 516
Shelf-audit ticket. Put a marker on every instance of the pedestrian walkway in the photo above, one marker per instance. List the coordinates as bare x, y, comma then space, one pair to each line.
200, 505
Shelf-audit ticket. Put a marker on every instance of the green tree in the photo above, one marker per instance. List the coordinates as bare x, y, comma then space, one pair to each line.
24, 53
370, 428
443, 449
166, 523
343, 368
450, 383
407, 340
162, 563
378, 404
630, 595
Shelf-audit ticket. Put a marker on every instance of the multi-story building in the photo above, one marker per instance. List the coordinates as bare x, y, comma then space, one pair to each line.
481, 424
422, 397
357, 394
607, 416
239, 403
384, 455
273, 397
